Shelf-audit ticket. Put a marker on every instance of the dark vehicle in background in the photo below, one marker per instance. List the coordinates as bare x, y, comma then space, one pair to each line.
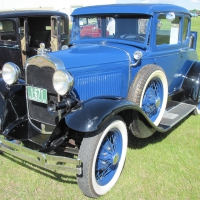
129, 67
21, 33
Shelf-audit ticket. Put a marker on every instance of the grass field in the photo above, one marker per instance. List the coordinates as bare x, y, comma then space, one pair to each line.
162, 167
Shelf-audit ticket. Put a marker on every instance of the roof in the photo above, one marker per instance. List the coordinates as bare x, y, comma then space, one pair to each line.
29, 13
129, 8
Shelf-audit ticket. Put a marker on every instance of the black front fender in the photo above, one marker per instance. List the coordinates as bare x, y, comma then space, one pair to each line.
94, 112
13, 103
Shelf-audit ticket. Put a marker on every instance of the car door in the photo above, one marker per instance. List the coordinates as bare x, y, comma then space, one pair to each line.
25, 38
59, 32
10, 42
188, 48
167, 48
55, 33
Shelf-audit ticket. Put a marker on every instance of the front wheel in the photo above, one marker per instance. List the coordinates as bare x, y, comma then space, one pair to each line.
103, 155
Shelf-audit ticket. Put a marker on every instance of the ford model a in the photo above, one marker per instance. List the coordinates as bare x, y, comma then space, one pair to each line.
21, 32
139, 73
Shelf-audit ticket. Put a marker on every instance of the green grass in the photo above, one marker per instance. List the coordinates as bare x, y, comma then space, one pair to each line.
196, 27
162, 167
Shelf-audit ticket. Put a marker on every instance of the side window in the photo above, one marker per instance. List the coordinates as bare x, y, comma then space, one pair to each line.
167, 32
48, 28
54, 27
7, 31
62, 26
185, 29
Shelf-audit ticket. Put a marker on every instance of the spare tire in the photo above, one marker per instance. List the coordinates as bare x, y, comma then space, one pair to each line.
149, 90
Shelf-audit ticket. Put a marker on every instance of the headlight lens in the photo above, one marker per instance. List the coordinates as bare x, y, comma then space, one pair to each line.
62, 81
10, 73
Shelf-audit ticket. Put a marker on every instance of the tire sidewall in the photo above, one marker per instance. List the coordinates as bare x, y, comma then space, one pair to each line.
160, 75
120, 125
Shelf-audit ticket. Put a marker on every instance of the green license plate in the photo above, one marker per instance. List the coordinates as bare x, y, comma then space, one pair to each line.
37, 94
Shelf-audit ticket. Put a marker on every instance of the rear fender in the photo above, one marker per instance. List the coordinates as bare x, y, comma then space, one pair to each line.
191, 83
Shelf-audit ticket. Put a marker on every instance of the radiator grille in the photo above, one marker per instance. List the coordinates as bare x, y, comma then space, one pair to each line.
42, 78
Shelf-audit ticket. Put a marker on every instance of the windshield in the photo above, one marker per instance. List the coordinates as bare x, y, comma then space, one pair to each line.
123, 27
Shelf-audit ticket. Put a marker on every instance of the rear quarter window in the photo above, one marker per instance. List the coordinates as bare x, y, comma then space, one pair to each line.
167, 32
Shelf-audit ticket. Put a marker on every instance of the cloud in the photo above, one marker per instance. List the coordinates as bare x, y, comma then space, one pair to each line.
194, 1
145, 1
157, 1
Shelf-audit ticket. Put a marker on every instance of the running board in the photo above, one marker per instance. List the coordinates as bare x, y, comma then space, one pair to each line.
175, 114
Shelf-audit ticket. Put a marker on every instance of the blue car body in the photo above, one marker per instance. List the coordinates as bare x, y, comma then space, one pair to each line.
97, 54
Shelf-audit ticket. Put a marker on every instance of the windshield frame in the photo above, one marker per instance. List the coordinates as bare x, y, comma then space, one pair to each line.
77, 26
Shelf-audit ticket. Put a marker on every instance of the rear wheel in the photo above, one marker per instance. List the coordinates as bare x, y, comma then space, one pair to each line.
103, 155
149, 90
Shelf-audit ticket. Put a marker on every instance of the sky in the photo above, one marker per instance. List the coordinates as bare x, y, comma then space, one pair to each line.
188, 4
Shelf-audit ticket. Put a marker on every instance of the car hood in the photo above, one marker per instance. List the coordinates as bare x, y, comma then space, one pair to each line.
93, 54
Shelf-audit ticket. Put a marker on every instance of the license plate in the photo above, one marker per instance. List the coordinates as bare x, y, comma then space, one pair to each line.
37, 94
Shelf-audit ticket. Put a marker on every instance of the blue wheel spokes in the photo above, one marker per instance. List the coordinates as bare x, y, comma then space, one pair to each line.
152, 99
108, 157
103, 174
111, 142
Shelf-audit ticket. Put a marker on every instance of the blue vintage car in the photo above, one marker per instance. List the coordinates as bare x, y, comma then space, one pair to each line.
129, 68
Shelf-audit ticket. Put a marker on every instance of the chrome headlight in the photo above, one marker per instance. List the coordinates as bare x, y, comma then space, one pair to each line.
137, 55
10, 73
62, 81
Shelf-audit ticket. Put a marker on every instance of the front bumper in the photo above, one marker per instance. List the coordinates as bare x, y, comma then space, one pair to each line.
40, 159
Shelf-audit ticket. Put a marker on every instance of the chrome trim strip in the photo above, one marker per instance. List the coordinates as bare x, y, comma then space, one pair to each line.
41, 159
45, 60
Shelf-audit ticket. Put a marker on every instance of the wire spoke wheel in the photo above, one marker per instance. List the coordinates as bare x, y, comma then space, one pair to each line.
103, 155
108, 157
